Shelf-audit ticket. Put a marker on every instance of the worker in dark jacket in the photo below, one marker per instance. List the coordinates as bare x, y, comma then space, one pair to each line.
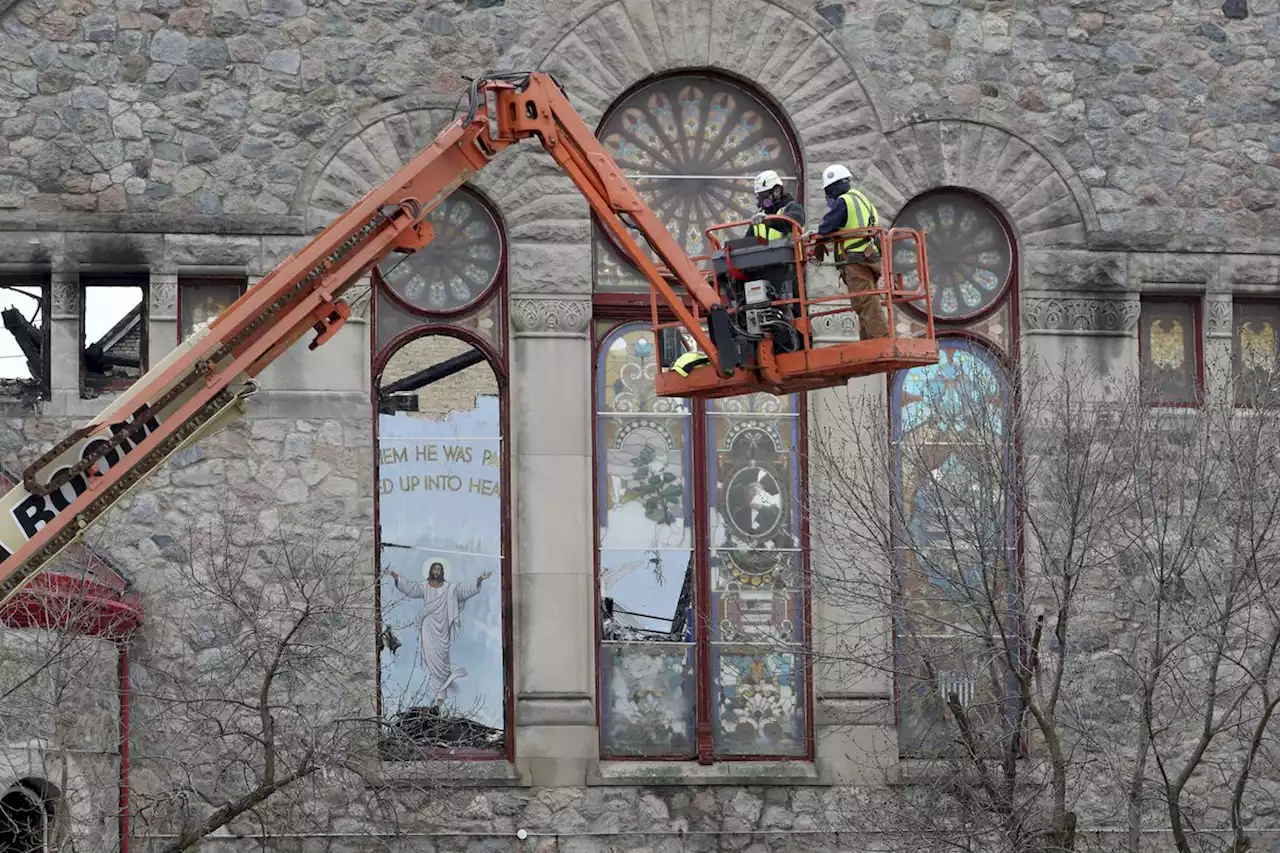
859, 257
773, 200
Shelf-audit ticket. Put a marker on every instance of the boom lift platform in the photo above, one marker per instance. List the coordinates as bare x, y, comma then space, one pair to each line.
728, 310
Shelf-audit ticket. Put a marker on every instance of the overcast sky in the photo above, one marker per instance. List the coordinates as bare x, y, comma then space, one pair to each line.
104, 306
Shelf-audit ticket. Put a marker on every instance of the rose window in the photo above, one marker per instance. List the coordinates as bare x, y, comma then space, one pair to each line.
970, 253
459, 264
692, 145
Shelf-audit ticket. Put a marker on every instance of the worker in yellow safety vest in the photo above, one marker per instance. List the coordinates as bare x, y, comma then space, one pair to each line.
858, 257
773, 200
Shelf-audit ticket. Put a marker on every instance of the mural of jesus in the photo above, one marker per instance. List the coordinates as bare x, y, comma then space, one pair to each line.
438, 623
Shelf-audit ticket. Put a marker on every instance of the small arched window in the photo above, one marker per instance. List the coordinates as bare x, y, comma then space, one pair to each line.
27, 817
441, 401
954, 463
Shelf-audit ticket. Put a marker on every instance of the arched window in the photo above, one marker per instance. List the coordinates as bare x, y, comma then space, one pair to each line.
954, 466
702, 558
27, 817
691, 144
440, 374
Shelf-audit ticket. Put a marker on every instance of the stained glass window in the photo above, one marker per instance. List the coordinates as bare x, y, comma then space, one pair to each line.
454, 280
1169, 343
953, 462
646, 556
650, 562
1255, 351
970, 253
702, 601
953, 468
691, 144
756, 575
458, 266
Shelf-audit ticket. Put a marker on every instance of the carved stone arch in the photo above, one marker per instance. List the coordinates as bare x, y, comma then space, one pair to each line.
376, 144
523, 183
777, 46
42, 759
1044, 201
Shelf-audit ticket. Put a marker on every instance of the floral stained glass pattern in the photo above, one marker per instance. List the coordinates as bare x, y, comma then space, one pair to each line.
759, 702
953, 464
969, 251
457, 266
1168, 338
646, 557
1255, 351
691, 145
757, 598
648, 699
994, 326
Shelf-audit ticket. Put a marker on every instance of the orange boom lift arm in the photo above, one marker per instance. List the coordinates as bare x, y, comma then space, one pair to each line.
206, 381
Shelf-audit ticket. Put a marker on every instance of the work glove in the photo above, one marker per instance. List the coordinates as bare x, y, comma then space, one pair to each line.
758, 218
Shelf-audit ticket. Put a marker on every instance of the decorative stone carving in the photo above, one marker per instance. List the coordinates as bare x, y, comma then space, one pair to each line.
638, 39
1081, 315
164, 296
1218, 318
65, 296
561, 317
836, 327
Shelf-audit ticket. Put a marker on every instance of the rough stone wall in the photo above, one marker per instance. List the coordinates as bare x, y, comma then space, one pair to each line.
59, 724
314, 473
1165, 112
1110, 134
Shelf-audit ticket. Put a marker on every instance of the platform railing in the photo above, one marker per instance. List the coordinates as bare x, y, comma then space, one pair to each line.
890, 286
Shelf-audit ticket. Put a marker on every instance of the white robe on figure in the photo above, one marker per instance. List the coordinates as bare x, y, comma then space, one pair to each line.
437, 627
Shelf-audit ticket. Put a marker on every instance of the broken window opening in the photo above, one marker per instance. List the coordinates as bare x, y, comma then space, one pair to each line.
442, 524
113, 332
24, 351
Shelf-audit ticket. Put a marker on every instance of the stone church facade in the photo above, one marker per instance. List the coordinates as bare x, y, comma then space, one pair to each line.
1087, 172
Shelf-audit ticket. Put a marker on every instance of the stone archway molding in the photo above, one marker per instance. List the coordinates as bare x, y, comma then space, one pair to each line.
779, 47
1041, 196
40, 758
782, 46
544, 216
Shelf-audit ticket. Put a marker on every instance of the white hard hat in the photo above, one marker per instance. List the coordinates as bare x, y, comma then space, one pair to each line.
767, 180
834, 173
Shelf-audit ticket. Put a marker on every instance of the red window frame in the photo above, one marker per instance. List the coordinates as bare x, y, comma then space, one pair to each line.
1008, 357
498, 358
1196, 301
1241, 304
617, 310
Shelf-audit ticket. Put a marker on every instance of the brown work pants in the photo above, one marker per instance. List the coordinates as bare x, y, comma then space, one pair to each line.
872, 320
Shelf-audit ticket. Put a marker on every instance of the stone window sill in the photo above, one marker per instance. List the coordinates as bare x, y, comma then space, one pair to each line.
644, 773
446, 774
